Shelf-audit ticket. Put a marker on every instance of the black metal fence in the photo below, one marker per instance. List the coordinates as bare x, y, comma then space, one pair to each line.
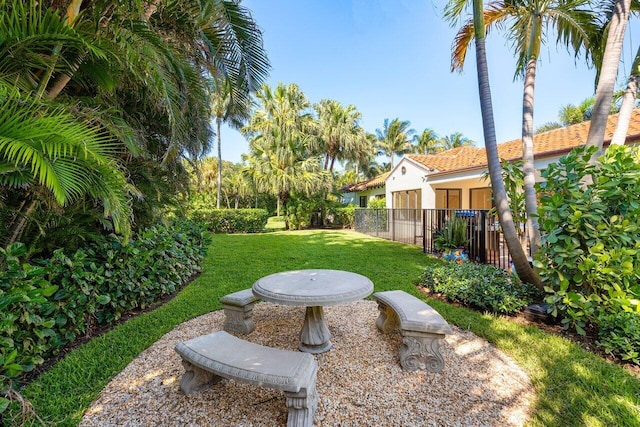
420, 227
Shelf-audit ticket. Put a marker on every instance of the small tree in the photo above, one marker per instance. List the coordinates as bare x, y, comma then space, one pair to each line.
590, 259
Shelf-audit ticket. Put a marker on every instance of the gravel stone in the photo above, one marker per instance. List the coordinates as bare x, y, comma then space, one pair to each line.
360, 382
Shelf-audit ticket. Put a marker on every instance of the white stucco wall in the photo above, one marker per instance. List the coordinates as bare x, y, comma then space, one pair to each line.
370, 194
412, 179
417, 176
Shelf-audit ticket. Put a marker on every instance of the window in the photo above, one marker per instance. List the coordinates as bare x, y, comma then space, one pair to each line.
481, 198
448, 198
363, 201
409, 201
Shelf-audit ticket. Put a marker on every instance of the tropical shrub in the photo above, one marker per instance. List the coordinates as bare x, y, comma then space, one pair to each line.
25, 330
590, 257
378, 203
481, 286
231, 220
299, 214
619, 335
452, 235
50, 303
345, 216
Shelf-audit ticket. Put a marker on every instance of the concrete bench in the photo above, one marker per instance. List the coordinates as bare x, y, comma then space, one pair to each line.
421, 327
238, 310
210, 358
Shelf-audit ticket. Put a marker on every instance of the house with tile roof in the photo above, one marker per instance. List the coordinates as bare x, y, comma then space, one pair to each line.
453, 179
361, 193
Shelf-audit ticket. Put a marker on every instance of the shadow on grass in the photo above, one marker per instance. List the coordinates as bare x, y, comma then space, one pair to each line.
574, 387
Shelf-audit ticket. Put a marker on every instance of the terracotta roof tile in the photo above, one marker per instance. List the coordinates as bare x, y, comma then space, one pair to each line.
374, 182
548, 143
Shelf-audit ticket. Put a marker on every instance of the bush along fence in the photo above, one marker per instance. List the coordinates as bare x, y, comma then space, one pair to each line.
483, 287
231, 220
49, 303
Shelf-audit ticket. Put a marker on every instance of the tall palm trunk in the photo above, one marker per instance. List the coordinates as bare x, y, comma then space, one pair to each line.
218, 123
608, 73
525, 272
528, 167
628, 102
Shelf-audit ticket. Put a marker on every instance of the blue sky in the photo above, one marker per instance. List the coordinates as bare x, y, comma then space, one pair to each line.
391, 58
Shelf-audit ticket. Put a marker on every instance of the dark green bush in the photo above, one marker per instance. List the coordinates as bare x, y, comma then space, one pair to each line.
619, 335
480, 286
590, 259
229, 221
25, 329
47, 306
344, 216
299, 213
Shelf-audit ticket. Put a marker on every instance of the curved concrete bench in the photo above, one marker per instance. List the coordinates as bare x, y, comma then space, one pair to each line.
209, 358
238, 311
421, 327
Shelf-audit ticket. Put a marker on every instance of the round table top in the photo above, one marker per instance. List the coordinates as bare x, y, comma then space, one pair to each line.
313, 287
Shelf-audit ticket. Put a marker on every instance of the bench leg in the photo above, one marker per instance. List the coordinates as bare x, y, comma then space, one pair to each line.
196, 379
421, 351
388, 320
238, 319
302, 405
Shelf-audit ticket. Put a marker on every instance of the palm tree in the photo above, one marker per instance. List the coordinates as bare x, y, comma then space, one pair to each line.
548, 126
455, 140
628, 103
528, 18
608, 71
427, 142
280, 138
47, 155
135, 76
234, 112
521, 263
340, 136
571, 114
394, 138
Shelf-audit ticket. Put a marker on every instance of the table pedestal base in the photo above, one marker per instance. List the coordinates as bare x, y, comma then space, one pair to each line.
315, 335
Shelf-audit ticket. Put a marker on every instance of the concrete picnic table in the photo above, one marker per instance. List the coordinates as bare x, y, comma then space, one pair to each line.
313, 289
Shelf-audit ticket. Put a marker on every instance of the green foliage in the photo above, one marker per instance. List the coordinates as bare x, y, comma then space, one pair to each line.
590, 259
452, 235
572, 386
378, 203
345, 216
231, 220
299, 213
25, 330
44, 307
481, 286
619, 335
513, 178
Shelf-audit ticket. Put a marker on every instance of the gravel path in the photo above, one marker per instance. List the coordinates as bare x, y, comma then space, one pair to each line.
360, 382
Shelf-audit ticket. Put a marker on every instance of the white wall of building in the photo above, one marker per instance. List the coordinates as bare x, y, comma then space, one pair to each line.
370, 194
408, 175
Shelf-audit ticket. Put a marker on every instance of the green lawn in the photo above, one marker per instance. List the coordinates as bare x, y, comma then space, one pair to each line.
574, 387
